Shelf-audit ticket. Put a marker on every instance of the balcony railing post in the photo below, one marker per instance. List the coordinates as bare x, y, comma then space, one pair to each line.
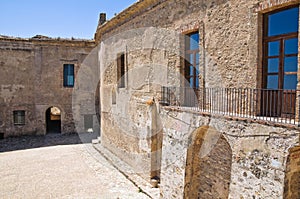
297, 111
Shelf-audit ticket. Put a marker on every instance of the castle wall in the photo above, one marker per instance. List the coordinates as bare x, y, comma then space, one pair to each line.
149, 34
32, 80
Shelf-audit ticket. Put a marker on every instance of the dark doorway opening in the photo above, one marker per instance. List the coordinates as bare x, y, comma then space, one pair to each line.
53, 120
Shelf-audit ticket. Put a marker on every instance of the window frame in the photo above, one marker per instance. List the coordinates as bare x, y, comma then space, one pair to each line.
191, 63
281, 38
19, 117
121, 70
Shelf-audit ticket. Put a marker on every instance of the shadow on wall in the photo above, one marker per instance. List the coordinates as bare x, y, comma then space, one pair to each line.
30, 142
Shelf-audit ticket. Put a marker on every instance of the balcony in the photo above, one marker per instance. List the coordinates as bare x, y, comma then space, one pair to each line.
258, 105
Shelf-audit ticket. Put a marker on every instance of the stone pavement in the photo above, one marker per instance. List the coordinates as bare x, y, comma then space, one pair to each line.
58, 170
130, 174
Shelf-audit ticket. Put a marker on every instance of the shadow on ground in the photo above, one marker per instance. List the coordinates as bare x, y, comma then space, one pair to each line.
30, 142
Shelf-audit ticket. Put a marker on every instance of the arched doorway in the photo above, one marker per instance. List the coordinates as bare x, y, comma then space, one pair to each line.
208, 166
53, 120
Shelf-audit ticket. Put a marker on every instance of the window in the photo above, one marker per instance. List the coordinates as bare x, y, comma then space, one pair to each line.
121, 70
68, 75
281, 49
280, 62
191, 68
19, 117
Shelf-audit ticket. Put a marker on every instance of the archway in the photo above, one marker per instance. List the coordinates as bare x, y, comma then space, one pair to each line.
53, 120
208, 167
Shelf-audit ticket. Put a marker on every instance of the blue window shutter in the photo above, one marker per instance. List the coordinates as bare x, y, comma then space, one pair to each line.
68, 75
65, 75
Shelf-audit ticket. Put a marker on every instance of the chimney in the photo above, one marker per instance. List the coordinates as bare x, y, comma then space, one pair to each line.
102, 19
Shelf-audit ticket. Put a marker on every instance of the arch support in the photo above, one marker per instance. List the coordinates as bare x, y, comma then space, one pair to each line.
208, 167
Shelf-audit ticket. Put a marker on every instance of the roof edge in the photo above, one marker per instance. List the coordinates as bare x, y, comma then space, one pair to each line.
130, 12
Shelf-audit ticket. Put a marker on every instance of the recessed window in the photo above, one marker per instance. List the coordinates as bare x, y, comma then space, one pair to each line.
281, 49
68, 75
19, 117
113, 97
192, 57
121, 70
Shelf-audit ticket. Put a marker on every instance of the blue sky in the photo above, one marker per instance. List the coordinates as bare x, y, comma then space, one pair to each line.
56, 18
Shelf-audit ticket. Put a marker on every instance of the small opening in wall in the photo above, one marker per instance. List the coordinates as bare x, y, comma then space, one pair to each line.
19, 117
113, 96
121, 70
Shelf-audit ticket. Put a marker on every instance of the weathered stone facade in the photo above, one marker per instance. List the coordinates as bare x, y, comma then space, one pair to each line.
259, 154
32, 80
245, 159
192, 154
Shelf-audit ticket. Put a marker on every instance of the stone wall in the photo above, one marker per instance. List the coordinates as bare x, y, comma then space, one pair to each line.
230, 32
259, 154
32, 80
126, 112
149, 33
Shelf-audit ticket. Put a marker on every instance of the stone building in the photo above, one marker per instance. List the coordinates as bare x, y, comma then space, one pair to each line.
36, 84
202, 96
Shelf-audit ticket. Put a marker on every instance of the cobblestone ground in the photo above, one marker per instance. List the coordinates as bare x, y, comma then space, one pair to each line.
59, 166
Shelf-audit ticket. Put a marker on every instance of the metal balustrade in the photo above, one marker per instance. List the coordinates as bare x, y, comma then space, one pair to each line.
277, 106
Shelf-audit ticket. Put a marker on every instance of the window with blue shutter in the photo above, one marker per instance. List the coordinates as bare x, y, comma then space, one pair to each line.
192, 58
68, 75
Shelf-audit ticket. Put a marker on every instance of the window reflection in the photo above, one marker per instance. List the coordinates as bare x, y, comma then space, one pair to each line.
283, 22
290, 64
290, 82
272, 82
291, 46
273, 48
273, 64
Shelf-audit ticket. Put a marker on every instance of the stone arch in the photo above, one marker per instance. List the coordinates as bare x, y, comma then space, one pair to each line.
53, 117
208, 165
292, 174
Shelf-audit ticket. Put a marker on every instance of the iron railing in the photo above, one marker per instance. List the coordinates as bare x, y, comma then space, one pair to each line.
260, 104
